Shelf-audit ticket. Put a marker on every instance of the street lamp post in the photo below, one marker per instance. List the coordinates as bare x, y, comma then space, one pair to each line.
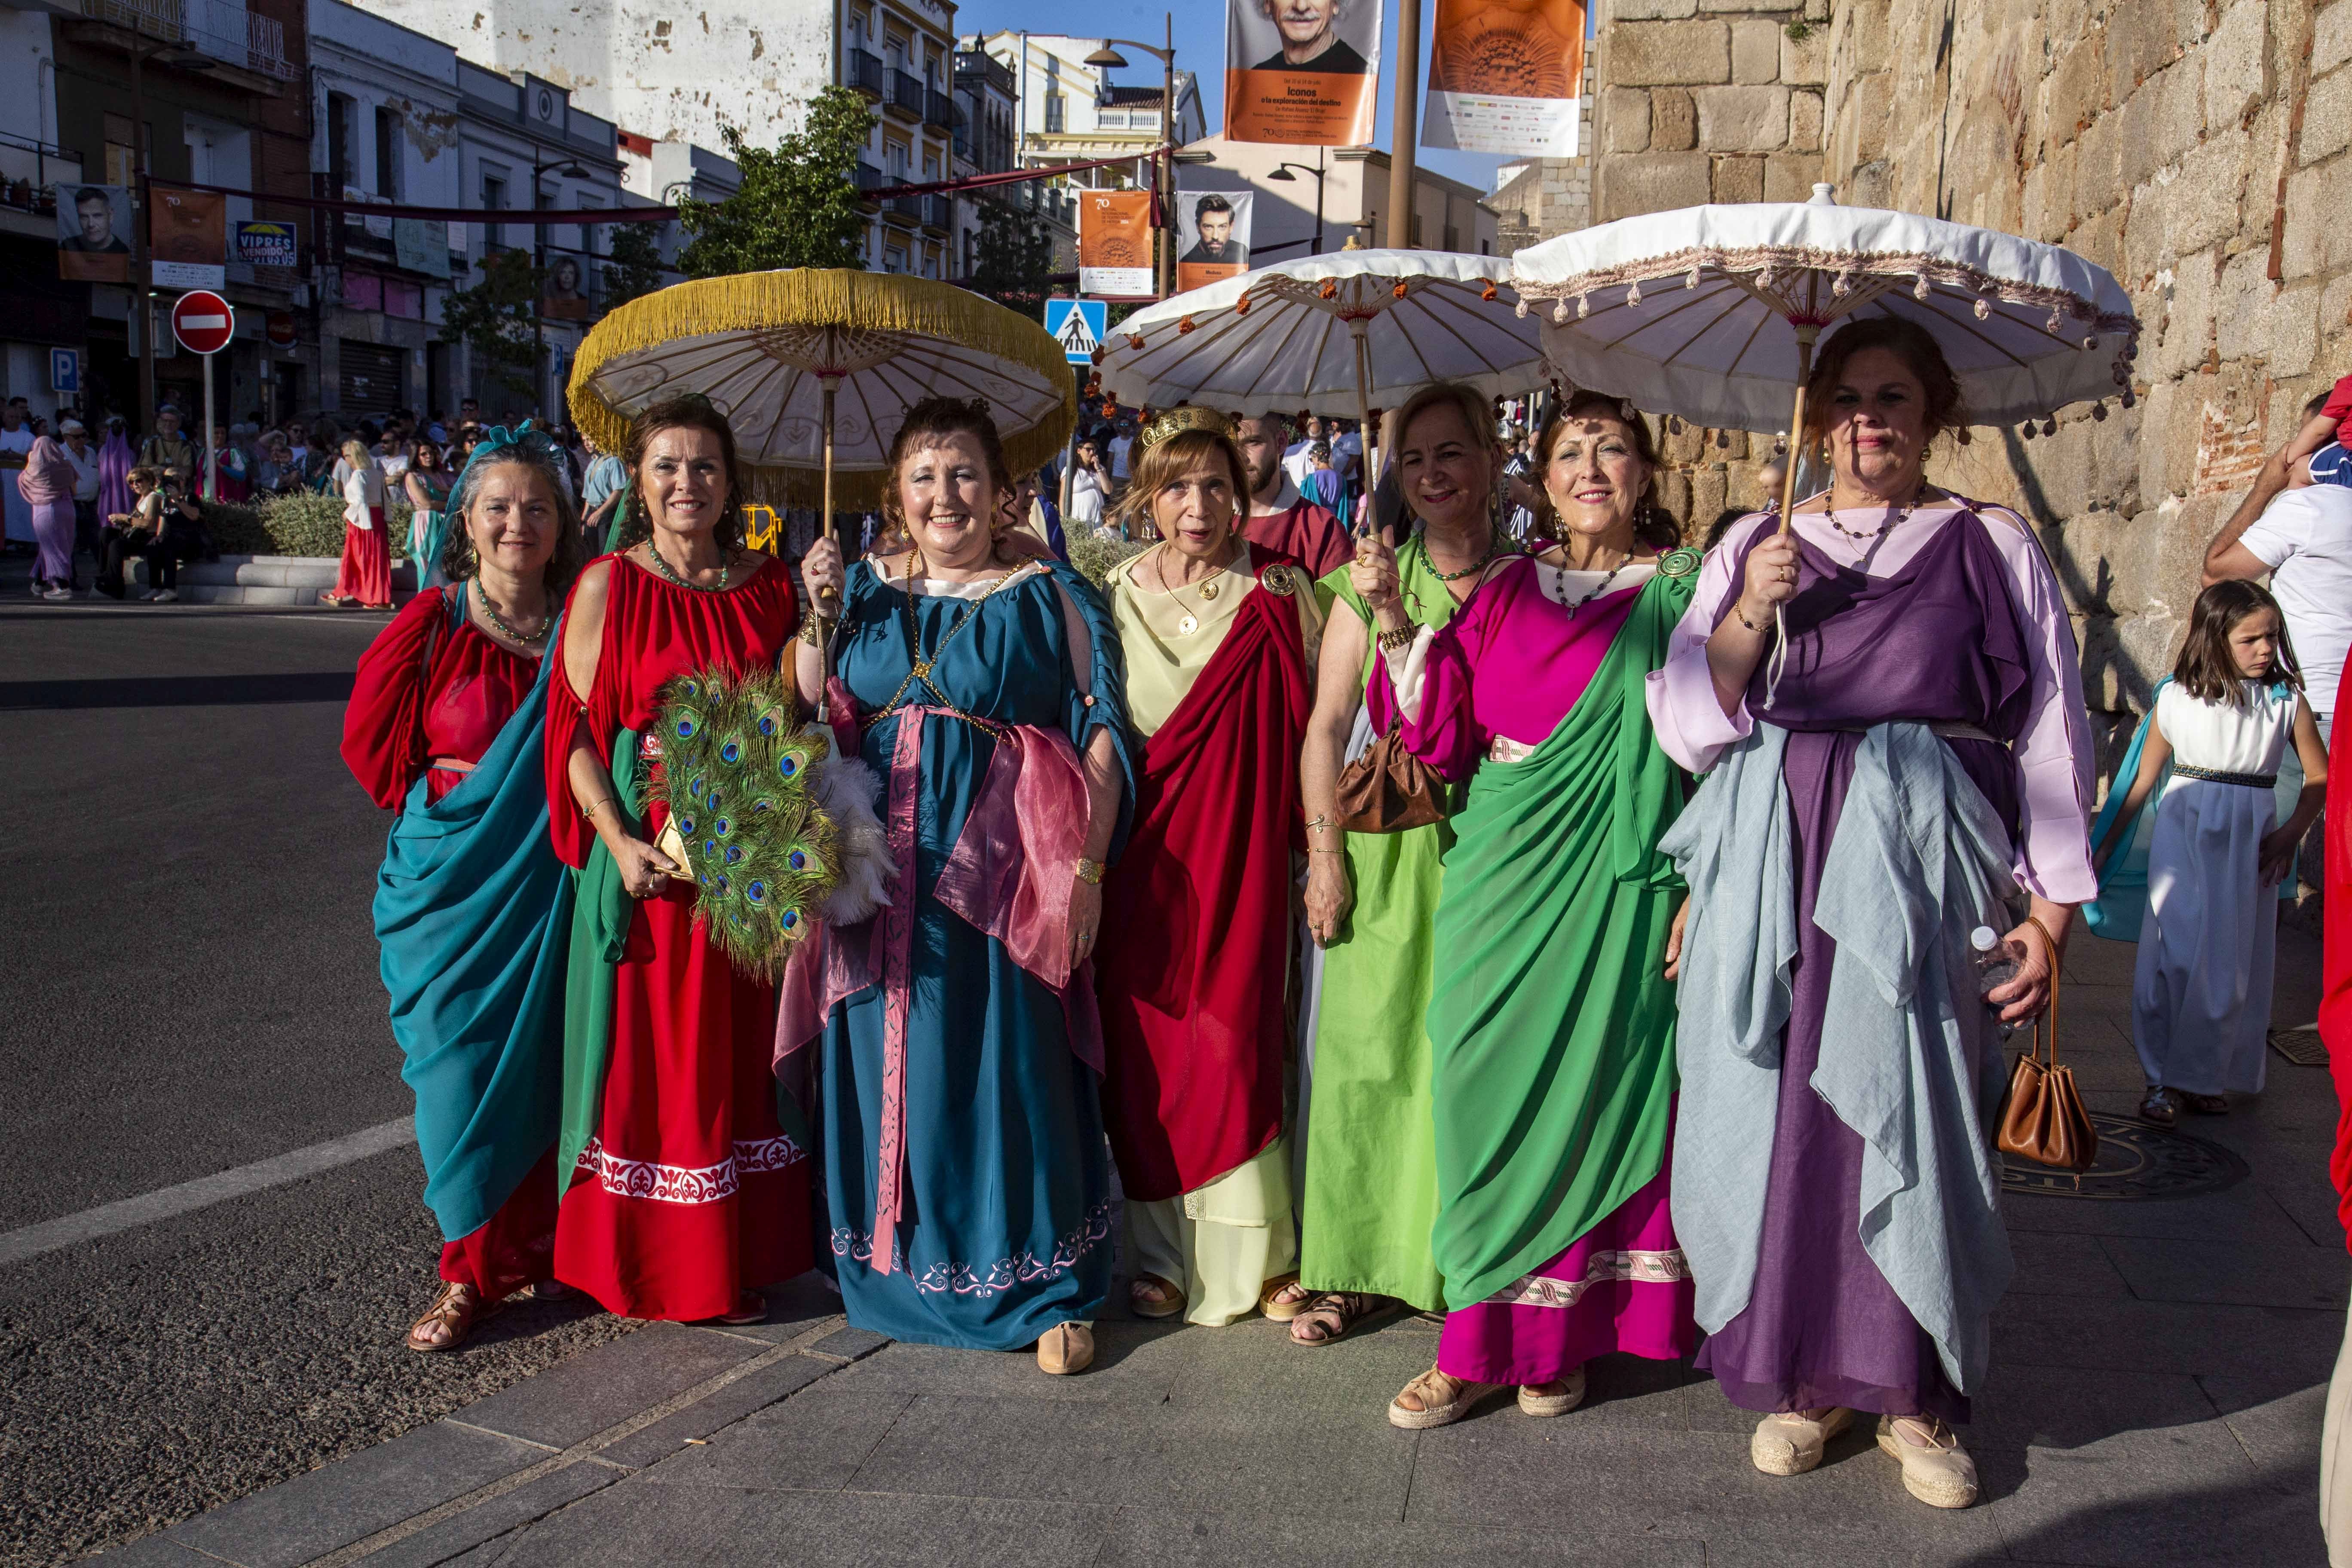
1282, 172
1107, 57
570, 171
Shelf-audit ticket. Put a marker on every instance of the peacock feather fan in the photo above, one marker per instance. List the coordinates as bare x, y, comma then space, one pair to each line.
742, 777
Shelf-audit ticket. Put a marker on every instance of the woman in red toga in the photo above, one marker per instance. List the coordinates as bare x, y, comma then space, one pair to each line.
435, 692
683, 1196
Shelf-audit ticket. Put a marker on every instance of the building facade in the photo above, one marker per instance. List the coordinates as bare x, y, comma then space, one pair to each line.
668, 76
401, 118
1354, 185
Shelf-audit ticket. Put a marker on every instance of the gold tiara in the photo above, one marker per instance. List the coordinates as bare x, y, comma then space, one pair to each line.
1191, 416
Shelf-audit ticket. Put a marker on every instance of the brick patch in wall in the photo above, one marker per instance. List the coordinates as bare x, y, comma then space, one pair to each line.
2228, 452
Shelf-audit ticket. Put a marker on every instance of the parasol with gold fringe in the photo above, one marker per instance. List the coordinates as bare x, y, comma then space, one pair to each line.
815, 370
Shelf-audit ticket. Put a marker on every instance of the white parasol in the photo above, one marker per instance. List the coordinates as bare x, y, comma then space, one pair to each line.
1711, 313
1333, 334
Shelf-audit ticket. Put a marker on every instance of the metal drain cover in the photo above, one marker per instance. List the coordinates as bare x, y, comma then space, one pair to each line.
2304, 1048
2136, 1160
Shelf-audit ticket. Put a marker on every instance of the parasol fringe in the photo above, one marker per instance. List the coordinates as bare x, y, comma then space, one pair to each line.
822, 297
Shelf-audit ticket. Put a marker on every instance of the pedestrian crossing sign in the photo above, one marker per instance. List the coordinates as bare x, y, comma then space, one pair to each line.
1078, 325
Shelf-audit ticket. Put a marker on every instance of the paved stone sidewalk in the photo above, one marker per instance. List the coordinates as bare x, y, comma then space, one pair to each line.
2160, 1372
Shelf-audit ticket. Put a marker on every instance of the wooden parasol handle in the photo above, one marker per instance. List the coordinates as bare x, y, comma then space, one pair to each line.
1805, 336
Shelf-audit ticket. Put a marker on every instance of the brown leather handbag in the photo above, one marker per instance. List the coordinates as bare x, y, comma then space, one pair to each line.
1388, 789
2044, 1118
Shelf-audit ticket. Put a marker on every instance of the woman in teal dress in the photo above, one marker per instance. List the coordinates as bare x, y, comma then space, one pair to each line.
956, 1045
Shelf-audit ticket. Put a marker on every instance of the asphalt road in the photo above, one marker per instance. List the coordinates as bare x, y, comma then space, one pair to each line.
188, 984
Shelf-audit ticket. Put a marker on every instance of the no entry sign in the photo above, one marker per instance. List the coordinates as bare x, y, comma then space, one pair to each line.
203, 321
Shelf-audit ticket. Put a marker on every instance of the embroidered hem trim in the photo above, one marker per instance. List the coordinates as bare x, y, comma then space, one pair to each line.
1601, 1267
968, 1279
687, 1183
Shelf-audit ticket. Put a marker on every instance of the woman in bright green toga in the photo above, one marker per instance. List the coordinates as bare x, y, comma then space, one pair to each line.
1369, 1192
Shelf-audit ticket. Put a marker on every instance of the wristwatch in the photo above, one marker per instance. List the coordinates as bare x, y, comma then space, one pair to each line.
1091, 870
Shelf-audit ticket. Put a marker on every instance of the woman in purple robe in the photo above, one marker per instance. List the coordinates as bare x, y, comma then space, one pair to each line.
1834, 1185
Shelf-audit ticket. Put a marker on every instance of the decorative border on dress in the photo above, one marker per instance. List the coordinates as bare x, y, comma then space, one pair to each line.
1667, 1268
687, 1183
967, 1280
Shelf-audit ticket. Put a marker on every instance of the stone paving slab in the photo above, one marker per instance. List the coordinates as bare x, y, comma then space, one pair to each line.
593, 1391
353, 1498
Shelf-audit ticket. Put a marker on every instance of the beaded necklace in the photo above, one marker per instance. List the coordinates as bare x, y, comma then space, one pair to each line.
667, 570
499, 623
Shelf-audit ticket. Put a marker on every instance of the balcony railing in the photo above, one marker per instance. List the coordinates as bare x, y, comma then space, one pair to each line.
938, 213
33, 167
909, 208
906, 93
938, 109
864, 73
223, 30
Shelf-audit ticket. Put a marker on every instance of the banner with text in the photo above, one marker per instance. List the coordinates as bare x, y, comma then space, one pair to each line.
1302, 72
94, 233
1505, 76
1212, 236
267, 244
187, 237
1114, 244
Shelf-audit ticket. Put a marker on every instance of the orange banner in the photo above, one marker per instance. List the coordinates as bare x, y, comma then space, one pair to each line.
1505, 76
1302, 72
1114, 244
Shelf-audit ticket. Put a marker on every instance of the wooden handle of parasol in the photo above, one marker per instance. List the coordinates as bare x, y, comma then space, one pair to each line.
1805, 336
1364, 424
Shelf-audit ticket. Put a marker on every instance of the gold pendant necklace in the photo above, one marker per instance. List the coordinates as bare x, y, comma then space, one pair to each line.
1190, 623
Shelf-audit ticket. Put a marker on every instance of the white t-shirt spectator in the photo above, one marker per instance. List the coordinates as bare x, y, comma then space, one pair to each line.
86, 474
2305, 538
1118, 449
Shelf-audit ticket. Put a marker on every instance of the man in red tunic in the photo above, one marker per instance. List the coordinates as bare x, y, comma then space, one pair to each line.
1280, 518
2335, 1031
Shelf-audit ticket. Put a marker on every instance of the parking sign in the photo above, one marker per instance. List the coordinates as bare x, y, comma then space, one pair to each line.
65, 370
1077, 325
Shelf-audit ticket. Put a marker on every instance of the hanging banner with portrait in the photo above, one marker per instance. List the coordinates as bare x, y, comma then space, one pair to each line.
94, 234
1505, 76
1302, 72
1115, 245
1212, 236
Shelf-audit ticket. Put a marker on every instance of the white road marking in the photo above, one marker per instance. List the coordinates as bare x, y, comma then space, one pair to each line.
165, 1203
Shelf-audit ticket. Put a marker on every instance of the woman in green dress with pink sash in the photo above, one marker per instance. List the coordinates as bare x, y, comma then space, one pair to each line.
1551, 1012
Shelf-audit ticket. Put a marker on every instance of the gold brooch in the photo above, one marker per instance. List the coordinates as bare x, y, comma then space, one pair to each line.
1277, 579
1679, 562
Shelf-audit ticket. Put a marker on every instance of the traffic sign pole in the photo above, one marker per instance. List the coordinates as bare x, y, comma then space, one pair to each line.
204, 323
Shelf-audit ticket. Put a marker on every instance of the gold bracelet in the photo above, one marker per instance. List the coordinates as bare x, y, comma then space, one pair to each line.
589, 810
1400, 638
812, 630
1316, 849
1090, 871
1744, 621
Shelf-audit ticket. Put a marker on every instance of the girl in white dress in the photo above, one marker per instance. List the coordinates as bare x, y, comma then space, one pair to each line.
2201, 994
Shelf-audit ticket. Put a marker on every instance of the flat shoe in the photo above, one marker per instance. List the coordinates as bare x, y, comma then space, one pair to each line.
1171, 1302
750, 1307
1426, 1388
1570, 1395
2206, 1104
1065, 1349
1790, 1443
1939, 1473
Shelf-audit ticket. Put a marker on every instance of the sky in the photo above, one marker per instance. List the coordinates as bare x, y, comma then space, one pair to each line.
1200, 48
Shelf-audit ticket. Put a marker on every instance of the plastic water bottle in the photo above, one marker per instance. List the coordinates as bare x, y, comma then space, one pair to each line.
1996, 966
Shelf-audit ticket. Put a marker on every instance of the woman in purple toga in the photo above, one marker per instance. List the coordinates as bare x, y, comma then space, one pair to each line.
1921, 768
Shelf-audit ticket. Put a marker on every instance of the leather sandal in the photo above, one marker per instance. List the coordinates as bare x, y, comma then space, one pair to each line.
2206, 1104
1438, 1401
1272, 1302
1065, 1349
1790, 1443
1353, 1308
1170, 1303
456, 1310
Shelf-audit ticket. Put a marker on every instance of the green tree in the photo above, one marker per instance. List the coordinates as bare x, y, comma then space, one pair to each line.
494, 319
1012, 261
798, 204
633, 268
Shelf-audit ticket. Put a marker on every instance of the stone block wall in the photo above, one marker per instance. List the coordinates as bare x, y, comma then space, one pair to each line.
2201, 150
